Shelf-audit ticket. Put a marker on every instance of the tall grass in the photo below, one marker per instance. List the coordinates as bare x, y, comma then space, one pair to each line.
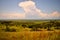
30, 35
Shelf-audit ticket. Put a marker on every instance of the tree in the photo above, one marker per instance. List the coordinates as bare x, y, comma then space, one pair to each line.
6, 23
24, 25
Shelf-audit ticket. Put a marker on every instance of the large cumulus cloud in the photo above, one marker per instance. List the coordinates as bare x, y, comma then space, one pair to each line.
31, 11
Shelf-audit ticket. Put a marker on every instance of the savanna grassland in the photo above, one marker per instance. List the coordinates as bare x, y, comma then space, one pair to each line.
29, 29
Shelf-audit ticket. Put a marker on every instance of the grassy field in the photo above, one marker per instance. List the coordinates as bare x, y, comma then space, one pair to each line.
30, 35
30, 30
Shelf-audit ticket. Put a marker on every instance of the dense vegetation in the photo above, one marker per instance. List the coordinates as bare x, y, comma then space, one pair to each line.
29, 29
29, 25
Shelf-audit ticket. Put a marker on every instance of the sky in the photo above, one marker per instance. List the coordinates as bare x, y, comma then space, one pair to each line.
29, 9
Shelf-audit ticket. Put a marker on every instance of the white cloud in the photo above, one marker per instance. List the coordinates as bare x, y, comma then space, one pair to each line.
12, 15
27, 5
31, 12
55, 14
30, 9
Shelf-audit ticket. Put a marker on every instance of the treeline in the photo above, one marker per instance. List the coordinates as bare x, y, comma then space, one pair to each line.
41, 25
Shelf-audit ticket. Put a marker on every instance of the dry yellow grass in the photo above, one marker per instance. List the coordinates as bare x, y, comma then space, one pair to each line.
30, 35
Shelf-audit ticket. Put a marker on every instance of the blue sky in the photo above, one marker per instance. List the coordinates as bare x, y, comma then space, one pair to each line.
12, 6
48, 5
